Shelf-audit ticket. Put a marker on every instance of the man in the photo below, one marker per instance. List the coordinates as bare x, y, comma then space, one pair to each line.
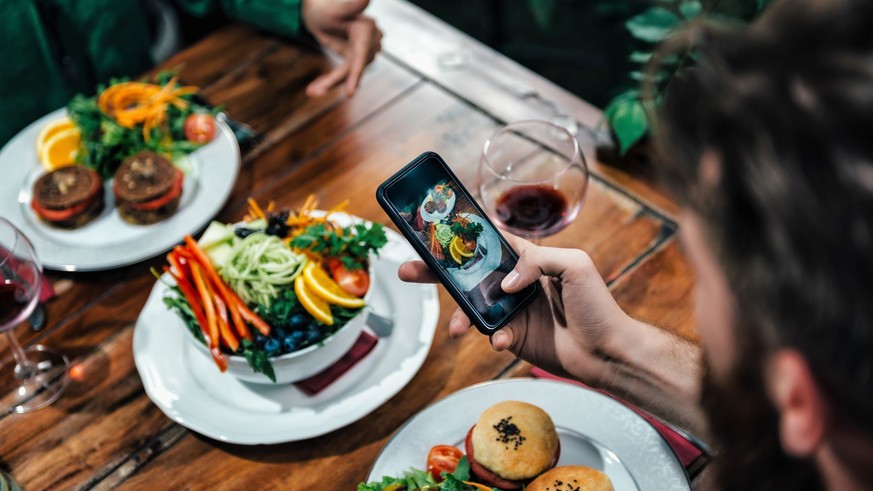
767, 146
53, 49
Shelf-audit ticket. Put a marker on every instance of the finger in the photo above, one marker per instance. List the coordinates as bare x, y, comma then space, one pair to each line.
502, 339
459, 324
324, 83
416, 272
535, 261
362, 33
347, 9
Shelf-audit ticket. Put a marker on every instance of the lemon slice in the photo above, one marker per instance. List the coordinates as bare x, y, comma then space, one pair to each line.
320, 283
60, 150
315, 305
51, 129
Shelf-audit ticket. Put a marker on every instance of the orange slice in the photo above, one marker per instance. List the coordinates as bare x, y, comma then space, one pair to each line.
60, 150
320, 283
456, 256
315, 305
51, 129
462, 249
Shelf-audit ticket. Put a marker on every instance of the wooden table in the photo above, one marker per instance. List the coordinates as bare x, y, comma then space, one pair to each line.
432, 88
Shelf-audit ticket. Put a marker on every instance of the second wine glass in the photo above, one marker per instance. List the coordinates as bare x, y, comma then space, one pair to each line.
532, 178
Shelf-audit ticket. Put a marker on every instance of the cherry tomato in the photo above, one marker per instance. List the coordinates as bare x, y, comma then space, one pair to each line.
442, 458
199, 127
354, 281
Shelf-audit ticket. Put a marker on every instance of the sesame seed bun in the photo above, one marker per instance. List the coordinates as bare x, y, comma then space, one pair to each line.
571, 478
515, 440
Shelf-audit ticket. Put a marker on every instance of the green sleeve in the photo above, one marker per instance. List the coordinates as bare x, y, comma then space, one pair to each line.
280, 17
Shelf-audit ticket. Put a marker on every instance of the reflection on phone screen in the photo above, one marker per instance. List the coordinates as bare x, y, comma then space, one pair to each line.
453, 231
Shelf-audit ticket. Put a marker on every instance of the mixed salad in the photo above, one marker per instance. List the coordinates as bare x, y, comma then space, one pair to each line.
128, 117
294, 276
447, 470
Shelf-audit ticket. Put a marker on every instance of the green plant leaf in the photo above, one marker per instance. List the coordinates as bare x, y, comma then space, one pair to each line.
627, 119
640, 57
542, 12
653, 24
644, 76
691, 9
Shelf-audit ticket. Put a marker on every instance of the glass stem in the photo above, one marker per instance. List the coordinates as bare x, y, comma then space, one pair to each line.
17, 351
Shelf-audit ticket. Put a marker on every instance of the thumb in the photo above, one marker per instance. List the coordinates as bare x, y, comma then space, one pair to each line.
535, 261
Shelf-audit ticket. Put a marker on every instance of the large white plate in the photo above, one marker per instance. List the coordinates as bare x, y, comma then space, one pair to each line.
594, 430
108, 241
190, 390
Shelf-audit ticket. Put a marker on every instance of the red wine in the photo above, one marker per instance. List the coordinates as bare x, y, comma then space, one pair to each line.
534, 208
12, 302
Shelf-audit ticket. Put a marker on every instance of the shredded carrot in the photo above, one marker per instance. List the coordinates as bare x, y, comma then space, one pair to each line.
132, 103
255, 209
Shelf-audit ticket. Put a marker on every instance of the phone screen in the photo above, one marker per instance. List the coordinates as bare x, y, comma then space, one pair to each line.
457, 236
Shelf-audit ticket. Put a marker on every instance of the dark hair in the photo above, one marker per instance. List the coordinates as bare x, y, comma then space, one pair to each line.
786, 105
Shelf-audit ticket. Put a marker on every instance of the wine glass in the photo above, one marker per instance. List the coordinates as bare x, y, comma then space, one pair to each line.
532, 178
39, 375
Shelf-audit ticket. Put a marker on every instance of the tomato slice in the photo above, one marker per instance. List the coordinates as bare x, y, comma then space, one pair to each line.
59, 215
199, 127
160, 201
354, 281
442, 458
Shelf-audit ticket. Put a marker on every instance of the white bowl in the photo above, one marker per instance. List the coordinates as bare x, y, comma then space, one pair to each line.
303, 363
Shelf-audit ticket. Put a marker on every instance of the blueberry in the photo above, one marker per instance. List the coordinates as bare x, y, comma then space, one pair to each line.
313, 336
297, 335
260, 339
297, 321
279, 332
290, 344
271, 346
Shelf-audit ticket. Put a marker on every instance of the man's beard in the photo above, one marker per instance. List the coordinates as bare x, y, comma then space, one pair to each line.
745, 426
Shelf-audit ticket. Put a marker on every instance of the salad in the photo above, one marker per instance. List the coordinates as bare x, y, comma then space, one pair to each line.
447, 470
275, 283
126, 118
454, 240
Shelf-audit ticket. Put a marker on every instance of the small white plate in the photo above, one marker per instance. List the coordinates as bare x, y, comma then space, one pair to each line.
595, 431
108, 241
190, 390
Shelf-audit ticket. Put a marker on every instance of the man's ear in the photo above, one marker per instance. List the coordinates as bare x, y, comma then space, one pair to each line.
803, 410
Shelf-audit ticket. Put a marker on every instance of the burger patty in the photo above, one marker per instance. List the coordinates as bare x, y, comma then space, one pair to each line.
66, 187
144, 177
147, 217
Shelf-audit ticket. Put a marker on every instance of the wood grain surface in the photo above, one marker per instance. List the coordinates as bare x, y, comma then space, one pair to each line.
105, 433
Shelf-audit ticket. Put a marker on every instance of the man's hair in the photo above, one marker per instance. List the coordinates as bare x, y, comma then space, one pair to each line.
786, 107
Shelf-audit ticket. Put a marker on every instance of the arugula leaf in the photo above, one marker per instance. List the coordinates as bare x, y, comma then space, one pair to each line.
175, 301
278, 313
467, 230
462, 471
257, 358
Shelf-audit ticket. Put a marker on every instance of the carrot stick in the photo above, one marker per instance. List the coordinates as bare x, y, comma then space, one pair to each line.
226, 334
212, 324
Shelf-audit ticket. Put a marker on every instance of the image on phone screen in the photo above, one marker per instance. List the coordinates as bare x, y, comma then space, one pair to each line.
457, 237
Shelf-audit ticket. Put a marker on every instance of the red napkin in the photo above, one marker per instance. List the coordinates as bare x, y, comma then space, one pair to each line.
320, 381
46, 291
686, 451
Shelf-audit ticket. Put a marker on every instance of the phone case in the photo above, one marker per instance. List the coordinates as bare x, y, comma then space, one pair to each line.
480, 323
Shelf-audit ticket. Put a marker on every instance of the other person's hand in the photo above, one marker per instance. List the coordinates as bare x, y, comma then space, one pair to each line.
566, 329
339, 25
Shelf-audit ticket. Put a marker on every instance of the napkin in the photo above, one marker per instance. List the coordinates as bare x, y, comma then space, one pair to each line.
320, 381
686, 451
46, 290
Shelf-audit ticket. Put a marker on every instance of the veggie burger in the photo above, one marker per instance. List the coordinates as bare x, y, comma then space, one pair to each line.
147, 188
68, 197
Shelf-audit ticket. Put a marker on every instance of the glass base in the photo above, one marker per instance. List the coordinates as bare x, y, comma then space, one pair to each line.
35, 385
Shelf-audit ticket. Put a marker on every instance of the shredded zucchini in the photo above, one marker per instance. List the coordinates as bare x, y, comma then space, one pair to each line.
260, 267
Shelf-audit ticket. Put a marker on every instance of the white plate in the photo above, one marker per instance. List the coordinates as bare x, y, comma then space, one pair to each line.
190, 390
108, 241
594, 430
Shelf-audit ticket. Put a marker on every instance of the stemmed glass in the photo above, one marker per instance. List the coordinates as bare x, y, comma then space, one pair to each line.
39, 375
532, 178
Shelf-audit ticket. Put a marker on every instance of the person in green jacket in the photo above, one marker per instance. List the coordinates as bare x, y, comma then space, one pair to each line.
53, 49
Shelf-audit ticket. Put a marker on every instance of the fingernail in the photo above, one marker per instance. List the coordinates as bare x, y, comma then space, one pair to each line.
500, 339
510, 280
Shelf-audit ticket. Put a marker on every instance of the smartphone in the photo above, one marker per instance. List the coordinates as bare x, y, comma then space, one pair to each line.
455, 238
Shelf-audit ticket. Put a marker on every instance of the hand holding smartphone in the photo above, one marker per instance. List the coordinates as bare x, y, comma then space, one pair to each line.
455, 238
